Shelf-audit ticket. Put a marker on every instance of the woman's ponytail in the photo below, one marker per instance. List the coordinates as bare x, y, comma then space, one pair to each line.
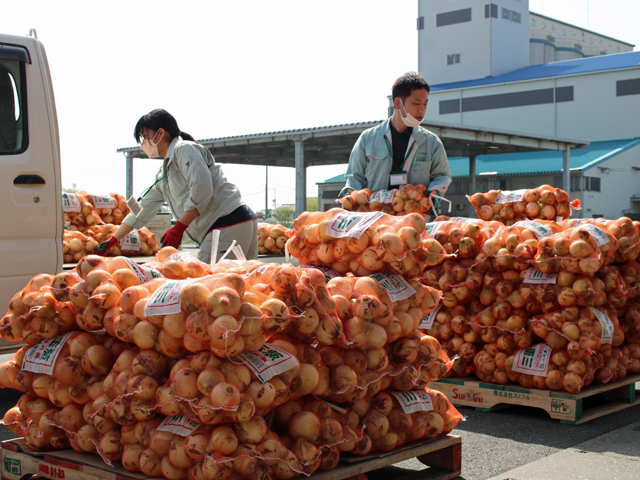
186, 136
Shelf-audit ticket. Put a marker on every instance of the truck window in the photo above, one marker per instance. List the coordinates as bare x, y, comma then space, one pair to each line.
13, 122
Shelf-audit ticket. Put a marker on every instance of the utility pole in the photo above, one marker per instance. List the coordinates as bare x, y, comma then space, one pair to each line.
266, 191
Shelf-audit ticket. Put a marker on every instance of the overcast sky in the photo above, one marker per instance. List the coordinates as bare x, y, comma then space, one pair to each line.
234, 67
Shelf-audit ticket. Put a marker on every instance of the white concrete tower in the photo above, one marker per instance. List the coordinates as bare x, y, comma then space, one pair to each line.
468, 39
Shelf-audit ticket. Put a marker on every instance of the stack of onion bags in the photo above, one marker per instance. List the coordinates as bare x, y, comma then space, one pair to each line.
272, 238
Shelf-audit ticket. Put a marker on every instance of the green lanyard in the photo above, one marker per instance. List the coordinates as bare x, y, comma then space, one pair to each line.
386, 140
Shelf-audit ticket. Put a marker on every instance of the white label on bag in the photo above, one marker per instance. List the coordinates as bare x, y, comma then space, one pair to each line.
178, 424
432, 228
540, 231
131, 241
41, 358
414, 401
134, 206
382, 196
397, 287
606, 337
329, 273
103, 201
70, 203
463, 219
534, 276
181, 257
598, 235
351, 224
533, 360
507, 196
166, 299
269, 361
429, 318
143, 272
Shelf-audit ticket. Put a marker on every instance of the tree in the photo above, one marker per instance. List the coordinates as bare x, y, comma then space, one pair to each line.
284, 214
312, 204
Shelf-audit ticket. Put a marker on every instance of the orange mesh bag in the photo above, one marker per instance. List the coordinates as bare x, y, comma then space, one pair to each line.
629, 318
626, 231
129, 389
79, 211
538, 366
210, 390
459, 281
515, 246
112, 207
583, 249
544, 202
402, 201
391, 419
364, 243
461, 237
616, 363
315, 431
76, 245
30, 419
272, 238
586, 330
630, 271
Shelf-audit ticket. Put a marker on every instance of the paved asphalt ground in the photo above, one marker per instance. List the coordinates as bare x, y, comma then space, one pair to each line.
492, 443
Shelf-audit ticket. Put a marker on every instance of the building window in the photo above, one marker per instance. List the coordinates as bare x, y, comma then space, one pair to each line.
453, 59
420, 23
515, 17
511, 15
451, 18
575, 183
504, 184
592, 184
628, 87
490, 10
506, 14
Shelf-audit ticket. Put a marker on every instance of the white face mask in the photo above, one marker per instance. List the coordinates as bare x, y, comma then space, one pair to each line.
150, 148
408, 119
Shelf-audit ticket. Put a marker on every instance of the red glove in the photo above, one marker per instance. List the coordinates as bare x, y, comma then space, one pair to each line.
103, 247
173, 237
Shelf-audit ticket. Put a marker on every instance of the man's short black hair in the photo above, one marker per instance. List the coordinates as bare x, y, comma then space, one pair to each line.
407, 83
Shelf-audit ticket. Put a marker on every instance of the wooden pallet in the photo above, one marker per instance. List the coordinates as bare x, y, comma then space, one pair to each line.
485, 397
442, 455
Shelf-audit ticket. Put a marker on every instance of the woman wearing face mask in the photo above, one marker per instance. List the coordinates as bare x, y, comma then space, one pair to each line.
400, 151
194, 187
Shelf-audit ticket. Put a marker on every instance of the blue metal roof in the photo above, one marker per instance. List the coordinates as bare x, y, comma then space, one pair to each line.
531, 163
556, 69
550, 161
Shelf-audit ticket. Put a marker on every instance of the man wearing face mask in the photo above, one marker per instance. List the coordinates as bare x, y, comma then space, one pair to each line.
400, 151
197, 192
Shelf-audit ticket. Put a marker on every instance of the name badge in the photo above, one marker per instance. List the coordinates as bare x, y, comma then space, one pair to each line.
398, 179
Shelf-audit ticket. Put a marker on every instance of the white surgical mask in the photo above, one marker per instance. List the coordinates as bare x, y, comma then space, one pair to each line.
408, 119
150, 148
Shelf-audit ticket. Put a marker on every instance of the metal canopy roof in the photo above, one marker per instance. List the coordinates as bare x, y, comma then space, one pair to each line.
333, 144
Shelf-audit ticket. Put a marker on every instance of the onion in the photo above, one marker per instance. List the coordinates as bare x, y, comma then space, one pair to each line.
110, 445
305, 425
171, 472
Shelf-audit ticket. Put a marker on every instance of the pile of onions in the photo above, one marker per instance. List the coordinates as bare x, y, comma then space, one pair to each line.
272, 238
513, 246
394, 244
459, 281
91, 215
315, 432
629, 318
618, 362
402, 201
129, 390
76, 245
544, 202
387, 426
576, 250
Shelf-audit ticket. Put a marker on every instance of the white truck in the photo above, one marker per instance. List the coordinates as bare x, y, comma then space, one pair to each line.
31, 215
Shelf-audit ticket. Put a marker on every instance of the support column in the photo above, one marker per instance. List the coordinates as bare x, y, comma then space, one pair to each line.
129, 177
301, 183
472, 173
566, 170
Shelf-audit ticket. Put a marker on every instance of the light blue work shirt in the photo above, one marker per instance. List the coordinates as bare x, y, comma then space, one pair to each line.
371, 161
